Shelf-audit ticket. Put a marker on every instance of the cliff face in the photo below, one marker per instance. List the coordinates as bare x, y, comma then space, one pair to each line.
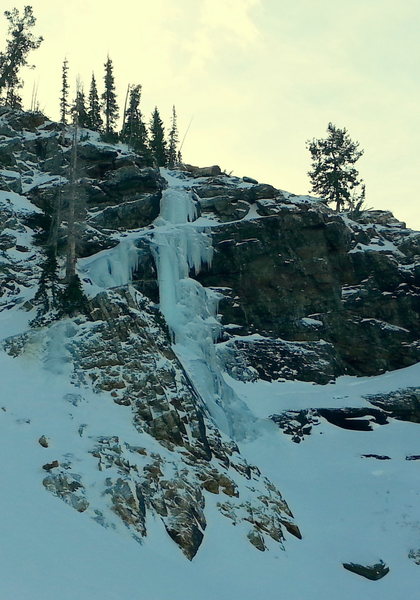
209, 301
302, 273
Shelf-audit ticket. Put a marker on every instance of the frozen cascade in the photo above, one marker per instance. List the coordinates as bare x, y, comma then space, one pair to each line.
110, 268
181, 246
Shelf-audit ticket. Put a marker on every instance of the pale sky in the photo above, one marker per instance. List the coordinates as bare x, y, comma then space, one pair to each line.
258, 77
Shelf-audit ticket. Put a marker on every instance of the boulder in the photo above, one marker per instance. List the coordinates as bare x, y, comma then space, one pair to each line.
372, 572
212, 171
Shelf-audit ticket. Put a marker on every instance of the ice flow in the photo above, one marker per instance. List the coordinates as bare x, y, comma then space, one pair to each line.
180, 247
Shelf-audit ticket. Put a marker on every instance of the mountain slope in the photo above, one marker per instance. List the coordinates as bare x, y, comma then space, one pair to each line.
165, 426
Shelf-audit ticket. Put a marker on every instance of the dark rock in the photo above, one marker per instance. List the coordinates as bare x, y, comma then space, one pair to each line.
202, 171
372, 572
249, 180
130, 182
93, 240
414, 555
279, 270
49, 466
413, 457
403, 404
349, 418
69, 488
297, 423
377, 456
410, 244
43, 441
275, 359
301, 264
226, 208
26, 121
8, 151
263, 190
129, 505
97, 153
257, 540
213, 188
382, 217
129, 215
145, 276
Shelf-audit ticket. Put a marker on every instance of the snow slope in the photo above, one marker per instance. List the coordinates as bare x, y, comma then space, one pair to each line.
349, 509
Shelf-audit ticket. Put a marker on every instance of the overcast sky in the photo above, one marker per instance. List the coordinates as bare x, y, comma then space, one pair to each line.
258, 77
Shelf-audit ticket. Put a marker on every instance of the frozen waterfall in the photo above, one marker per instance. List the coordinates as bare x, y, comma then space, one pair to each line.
180, 247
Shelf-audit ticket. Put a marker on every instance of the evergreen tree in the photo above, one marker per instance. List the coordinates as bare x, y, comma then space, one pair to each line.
157, 139
173, 141
21, 41
134, 131
333, 175
94, 109
47, 295
13, 98
72, 298
79, 108
109, 98
64, 100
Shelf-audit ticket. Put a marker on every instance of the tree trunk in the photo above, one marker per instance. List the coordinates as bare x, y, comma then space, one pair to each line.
71, 218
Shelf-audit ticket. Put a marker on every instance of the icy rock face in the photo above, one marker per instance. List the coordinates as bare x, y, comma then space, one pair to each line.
124, 350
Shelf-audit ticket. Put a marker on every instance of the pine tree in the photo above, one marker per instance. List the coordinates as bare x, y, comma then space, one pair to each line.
21, 41
64, 100
134, 131
333, 174
79, 108
94, 109
47, 295
13, 98
109, 98
157, 139
173, 141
